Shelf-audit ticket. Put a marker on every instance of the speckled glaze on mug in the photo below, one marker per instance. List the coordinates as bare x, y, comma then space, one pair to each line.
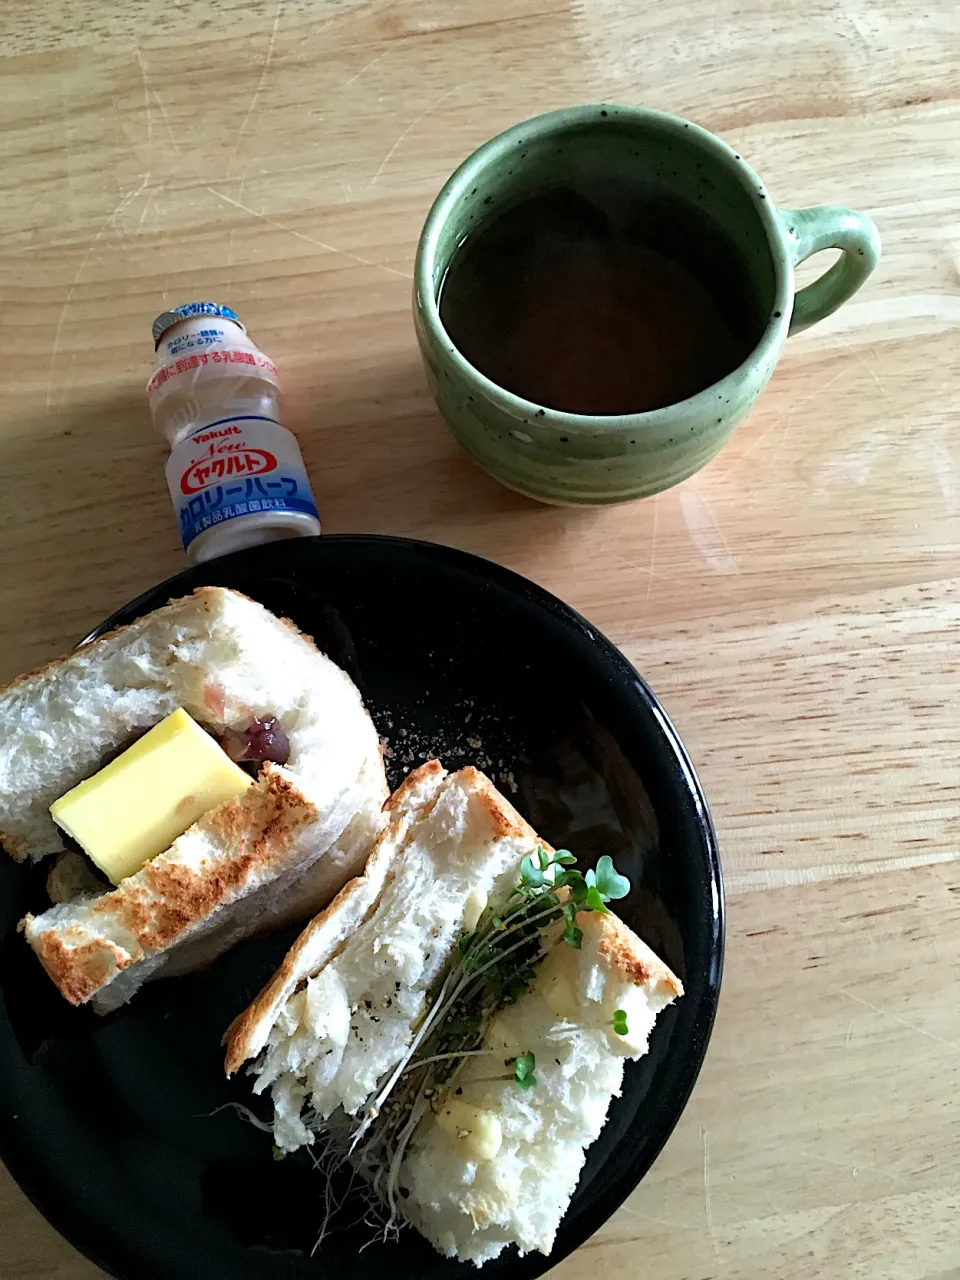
574, 458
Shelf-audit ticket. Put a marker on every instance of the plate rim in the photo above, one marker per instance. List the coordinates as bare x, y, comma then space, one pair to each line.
632, 1172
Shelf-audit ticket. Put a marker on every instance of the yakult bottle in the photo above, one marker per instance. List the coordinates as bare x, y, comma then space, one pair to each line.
236, 475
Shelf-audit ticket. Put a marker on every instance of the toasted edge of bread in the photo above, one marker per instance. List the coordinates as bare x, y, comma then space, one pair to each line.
246, 843
320, 940
461, 1203
158, 906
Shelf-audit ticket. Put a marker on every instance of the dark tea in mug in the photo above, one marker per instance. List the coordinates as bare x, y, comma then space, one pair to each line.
612, 298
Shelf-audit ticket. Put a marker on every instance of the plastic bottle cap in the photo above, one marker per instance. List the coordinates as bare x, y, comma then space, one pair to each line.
167, 319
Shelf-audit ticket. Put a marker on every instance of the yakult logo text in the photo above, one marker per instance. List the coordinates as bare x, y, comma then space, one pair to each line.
221, 461
213, 435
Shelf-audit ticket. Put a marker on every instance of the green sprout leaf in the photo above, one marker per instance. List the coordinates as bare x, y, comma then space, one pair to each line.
610, 884
494, 965
578, 888
277, 1153
595, 902
573, 935
523, 1070
516, 986
531, 877
461, 1025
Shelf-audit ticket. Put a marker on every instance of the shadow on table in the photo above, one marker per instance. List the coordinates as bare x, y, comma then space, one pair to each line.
382, 460
90, 466
91, 515
86, 521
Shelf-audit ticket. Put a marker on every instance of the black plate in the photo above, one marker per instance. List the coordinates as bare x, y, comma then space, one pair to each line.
106, 1122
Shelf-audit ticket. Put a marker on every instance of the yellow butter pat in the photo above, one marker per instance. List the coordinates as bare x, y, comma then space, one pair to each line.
480, 1131
139, 803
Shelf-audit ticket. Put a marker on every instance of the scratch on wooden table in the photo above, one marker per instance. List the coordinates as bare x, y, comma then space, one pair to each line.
704, 529
871, 372
366, 67
792, 877
230, 244
257, 91
166, 121
910, 1026
881, 1170
104, 227
148, 203
141, 62
851, 22
707, 1206
653, 548
628, 1211
785, 419
410, 128
614, 549
300, 235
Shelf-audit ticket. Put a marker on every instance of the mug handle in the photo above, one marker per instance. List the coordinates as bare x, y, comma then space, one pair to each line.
826, 226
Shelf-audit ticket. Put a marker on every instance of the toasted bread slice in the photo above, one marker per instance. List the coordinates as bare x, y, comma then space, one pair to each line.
223, 658
494, 1164
491, 1164
342, 1008
323, 937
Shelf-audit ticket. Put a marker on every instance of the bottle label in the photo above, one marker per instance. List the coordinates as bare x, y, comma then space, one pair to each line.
235, 467
192, 362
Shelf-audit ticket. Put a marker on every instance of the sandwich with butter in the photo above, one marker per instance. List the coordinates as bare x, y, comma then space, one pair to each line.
455, 1024
200, 774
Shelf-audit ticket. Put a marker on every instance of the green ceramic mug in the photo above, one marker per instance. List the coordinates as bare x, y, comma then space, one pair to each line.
578, 458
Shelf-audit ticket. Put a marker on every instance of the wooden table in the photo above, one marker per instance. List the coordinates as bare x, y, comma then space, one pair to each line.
796, 605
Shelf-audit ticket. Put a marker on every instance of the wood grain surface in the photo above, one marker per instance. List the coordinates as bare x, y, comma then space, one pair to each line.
796, 604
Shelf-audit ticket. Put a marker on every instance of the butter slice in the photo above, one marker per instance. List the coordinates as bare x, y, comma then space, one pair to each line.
139, 803
480, 1131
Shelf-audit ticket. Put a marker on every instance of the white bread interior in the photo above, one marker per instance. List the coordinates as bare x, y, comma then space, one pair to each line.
222, 657
342, 1009
294, 895
471, 1204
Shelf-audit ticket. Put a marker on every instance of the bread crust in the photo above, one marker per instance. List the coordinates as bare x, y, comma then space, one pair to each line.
159, 905
17, 850
629, 954
206, 597
619, 946
242, 1037
506, 820
452, 1196
81, 969
362, 892
237, 847
472, 1209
